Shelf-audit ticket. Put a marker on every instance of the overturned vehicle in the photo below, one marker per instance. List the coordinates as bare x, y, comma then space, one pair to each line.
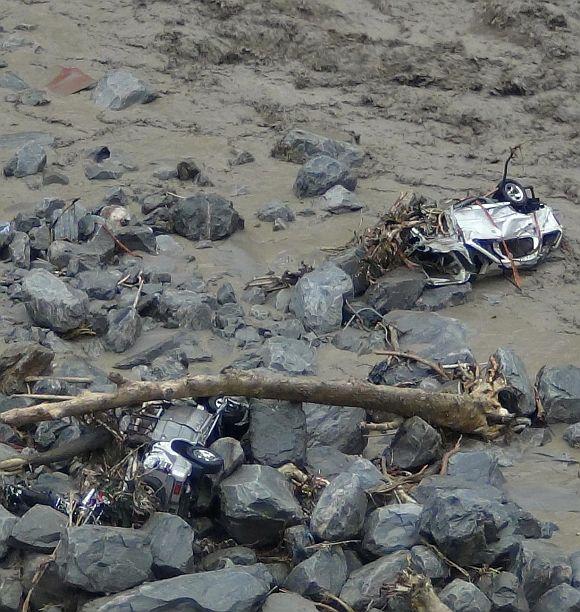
506, 229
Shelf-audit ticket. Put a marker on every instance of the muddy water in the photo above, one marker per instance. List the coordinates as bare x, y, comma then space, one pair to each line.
422, 92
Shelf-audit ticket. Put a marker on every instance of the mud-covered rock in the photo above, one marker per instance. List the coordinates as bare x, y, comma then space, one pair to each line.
103, 559
170, 540
415, 444
352, 261
539, 567
339, 200
183, 308
391, 528
289, 355
321, 173
299, 146
288, 602
462, 596
19, 250
318, 298
257, 504
226, 557
226, 294
124, 327
137, 238
119, 89
29, 159
10, 590
518, 395
572, 435
504, 592
19, 360
365, 586
437, 298
563, 598
340, 512
398, 289
559, 392
7, 522
277, 432
324, 572
98, 284
336, 426
229, 590
39, 529
52, 303
276, 210
206, 217
477, 466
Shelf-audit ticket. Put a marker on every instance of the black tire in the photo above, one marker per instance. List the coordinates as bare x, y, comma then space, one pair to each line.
205, 459
512, 192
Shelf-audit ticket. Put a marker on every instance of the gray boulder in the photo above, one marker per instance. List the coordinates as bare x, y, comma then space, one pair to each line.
170, 539
518, 395
231, 451
559, 391
572, 435
39, 529
21, 359
438, 298
352, 261
10, 590
476, 466
289, 355
288, 602
65, 222
563, 598
575, 565
504, 592
228, 590
336, 426
277, 432
226, 557
299, 146
52, 303
318, 298
298, 542
340, 512
19, 250
275, 210
98, 284
29, 159
226, 294
183, 308
124, 327
462, 524
321, 173
339, 200
365, 586
327, 461
391, 528
398, 289
426, 562
119, 89
206, 217
462, 596
138, 238
539, 567
102, 559
415, 444
7, 522
257, 504
324, 572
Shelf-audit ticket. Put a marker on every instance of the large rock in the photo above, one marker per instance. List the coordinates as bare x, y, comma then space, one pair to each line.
231, 451
119, 89
299, 146
505, 592
10, 590
124, 326
277, 432
19, 250
324, 572
289, 355
288, 602
336, 426
171, 542
559, 391
226, 557
518, 395
275, 210
425, 561
476, 466
462, 524
321, 173
183, 308
327, 461
318, 298
65, 222
52, 303
7, 522
340, 512
39, 529
298, 542
102, 559
539, 567
399, 289
339, 200
206, 217
572, 435
19, 360
563, 598
415, 444
462, 596
28, 160
352, 261
391, 528
257, 504
438, 298
365, 586
228, 590
98, 284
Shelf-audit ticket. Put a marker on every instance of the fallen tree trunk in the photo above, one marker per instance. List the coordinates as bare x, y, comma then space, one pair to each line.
457, 412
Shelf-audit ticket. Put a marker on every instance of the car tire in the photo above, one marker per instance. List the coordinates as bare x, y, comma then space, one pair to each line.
207, 460
512, 192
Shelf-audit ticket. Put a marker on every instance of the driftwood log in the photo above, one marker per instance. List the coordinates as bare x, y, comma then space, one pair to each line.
460, 413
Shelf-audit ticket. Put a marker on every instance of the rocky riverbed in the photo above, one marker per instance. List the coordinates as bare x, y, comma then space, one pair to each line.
218, 142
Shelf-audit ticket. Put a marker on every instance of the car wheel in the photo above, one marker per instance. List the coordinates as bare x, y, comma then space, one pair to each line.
210, 462
513, 192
